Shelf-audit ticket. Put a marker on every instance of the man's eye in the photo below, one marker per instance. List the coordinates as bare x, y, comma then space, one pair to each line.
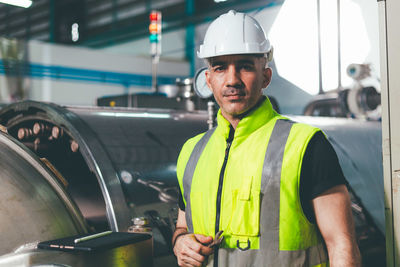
218, 68
247, 67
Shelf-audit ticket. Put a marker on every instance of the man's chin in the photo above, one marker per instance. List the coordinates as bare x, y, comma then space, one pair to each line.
238, 111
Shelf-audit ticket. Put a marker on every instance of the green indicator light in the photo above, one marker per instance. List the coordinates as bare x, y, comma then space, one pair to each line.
153, 38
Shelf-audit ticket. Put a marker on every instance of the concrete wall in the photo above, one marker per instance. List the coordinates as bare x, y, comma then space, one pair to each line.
173, 46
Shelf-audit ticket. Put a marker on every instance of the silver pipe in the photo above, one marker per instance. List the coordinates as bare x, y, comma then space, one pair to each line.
154, 73
211, 114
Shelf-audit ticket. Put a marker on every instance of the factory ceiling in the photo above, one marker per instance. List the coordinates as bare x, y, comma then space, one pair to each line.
103, 23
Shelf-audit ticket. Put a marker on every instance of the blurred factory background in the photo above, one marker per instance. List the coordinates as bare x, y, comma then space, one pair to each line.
95, 110
56, 50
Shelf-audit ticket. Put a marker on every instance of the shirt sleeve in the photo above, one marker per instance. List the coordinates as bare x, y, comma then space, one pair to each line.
320, 171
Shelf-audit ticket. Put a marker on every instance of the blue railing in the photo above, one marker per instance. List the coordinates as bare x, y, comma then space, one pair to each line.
40, 71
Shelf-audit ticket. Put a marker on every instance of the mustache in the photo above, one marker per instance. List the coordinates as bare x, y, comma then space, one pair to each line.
233, 91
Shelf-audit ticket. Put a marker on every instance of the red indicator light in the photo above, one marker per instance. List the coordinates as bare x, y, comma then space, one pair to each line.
153, 16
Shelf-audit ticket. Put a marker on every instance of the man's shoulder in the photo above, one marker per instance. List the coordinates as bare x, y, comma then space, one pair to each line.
300, 133
306, 127
299, 125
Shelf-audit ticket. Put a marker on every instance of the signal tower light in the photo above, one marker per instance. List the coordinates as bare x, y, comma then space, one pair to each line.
155, 32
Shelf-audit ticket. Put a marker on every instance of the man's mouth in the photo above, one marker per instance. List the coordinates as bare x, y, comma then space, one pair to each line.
233, 93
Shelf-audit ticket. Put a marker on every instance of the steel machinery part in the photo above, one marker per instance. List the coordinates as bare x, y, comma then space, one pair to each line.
34, 205
200, 85
358, 102
106, 153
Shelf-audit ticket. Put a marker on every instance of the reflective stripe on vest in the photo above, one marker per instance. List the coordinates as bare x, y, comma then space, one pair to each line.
188, 174
269, 214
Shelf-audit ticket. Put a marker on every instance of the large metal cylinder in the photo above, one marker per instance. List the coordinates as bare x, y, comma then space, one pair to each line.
34, 205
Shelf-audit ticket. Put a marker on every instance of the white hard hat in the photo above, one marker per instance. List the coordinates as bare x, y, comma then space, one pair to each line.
234, 33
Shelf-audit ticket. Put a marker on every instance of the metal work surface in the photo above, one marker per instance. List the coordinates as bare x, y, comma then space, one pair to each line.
133, 255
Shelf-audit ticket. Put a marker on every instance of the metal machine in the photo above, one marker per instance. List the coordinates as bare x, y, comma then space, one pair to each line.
360, 100
117, 164
35, 207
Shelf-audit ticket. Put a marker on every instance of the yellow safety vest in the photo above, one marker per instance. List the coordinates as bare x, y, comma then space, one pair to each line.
249, 188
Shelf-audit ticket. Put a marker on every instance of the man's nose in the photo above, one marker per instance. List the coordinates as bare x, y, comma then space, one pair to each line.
233, 77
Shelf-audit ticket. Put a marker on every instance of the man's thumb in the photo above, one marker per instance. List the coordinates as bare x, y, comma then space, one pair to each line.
205, 240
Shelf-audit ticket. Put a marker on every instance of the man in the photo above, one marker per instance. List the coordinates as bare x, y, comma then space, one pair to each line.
273, 186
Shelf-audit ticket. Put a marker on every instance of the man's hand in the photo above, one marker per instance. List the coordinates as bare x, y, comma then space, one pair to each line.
191, 249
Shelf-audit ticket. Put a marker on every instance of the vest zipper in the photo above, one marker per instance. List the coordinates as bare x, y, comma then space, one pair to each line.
219, 192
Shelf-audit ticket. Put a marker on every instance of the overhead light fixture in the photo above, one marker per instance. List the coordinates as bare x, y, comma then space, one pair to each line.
75, 32
19, 3
219, 1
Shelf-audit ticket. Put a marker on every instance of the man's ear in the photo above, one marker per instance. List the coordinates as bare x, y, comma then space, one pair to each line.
267, 75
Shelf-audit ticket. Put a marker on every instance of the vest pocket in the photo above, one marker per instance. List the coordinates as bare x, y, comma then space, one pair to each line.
245, 220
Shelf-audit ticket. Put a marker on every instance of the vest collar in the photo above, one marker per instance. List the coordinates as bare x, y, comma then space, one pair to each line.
256, 118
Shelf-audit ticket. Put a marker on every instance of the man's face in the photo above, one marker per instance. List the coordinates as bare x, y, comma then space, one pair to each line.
237, 82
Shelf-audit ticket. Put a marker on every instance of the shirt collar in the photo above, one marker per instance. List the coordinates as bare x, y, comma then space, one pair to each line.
254, 119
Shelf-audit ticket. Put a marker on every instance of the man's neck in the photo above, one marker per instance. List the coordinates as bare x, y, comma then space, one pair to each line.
233, 121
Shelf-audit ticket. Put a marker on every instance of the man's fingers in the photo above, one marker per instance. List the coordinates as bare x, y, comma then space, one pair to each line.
193, 250
188, 261
206, 251
183, 263
189, 251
